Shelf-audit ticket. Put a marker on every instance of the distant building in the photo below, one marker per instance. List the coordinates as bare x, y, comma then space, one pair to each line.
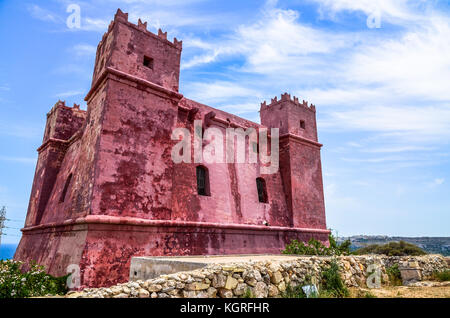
106, 188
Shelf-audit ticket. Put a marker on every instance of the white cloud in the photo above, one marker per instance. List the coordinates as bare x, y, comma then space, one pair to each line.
406, 123
391, 11
43, 14
21, 130
395, 149
19, 159
416, 64
84, 49
91, 24
70, 94
436, 182
392, 84
219, 91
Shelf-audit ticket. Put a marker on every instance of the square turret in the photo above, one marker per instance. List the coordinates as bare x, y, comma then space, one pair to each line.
290, 116
133, 50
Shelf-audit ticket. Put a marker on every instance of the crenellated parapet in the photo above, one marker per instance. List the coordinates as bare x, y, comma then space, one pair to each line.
287, 98
142, 26
62, 104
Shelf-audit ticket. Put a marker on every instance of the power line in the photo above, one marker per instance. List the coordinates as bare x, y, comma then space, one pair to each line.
2, 222
4, 234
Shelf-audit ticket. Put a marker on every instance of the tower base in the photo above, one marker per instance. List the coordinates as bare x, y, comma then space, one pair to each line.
101, 247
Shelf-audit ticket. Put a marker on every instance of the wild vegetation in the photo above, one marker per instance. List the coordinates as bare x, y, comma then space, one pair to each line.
331, 285
395, 278
443, 276
314, 247
392, 249
15, 283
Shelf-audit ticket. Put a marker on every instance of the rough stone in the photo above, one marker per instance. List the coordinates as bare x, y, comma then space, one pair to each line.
273, 290
225, 293
260, 290
231, 283
143, 293
197, 286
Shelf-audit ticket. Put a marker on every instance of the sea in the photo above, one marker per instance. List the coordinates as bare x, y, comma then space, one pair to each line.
7, 251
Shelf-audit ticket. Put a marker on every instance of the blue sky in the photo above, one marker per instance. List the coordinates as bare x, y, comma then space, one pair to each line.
382, 94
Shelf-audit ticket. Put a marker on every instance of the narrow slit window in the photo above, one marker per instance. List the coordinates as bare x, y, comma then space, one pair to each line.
202, 181
148, 62
262, 191
255, 147
66, 187
302, 124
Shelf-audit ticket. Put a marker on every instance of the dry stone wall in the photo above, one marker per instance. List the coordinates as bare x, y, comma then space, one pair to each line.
263, 279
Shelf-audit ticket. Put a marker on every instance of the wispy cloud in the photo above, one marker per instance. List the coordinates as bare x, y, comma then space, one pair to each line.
436, 182
19, 159
392, 85
84, 49
70, 93
43, 14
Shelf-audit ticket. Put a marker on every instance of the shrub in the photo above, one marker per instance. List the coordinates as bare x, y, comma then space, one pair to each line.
332, 284
293, 292
395, 278
35, 282
443, 276
392, 249
314, 247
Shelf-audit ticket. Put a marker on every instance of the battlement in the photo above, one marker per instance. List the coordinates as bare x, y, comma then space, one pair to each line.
287, 97
141, 26
62, 104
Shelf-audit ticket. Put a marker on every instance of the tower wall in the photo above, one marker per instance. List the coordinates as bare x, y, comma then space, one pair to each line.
62, 123
106, 187
300, 163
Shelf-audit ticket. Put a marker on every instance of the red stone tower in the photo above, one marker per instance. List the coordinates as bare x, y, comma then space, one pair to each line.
300, 164
106, 188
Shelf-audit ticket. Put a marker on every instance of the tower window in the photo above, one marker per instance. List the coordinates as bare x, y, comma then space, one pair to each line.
255, 147
302, 124
202, 181
66, 187
262, 191
148, 62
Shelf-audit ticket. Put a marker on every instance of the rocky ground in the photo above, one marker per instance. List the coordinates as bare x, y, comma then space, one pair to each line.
420, 290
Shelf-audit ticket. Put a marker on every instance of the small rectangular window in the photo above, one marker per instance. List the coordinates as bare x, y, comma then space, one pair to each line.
148, 62
262, 190
302, 124
202, 181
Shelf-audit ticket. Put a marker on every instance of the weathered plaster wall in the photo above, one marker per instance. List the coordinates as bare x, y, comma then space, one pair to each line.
123, 177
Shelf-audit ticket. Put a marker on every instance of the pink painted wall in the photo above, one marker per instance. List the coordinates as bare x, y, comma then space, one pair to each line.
126, 196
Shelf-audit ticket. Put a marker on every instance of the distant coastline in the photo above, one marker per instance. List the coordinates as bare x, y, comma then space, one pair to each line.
432, 245
7, 251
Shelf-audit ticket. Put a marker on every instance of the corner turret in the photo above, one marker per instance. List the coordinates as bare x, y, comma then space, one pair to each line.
133, 50
291, 116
